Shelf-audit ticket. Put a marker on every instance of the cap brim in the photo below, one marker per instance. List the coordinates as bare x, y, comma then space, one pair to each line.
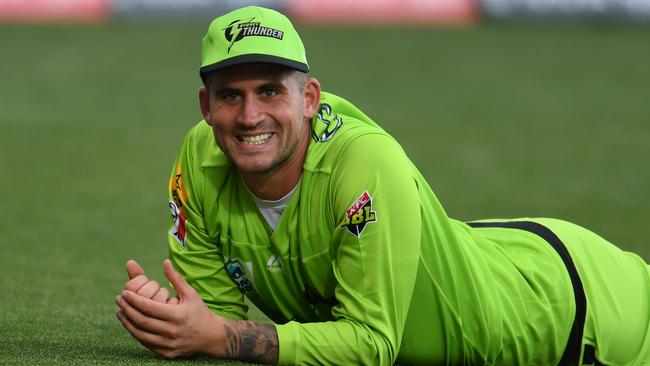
252, 58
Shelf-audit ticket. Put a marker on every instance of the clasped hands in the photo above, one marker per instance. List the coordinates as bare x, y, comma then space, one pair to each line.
171, 327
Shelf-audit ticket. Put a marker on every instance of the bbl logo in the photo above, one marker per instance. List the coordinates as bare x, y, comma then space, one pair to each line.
241, 28
359, 215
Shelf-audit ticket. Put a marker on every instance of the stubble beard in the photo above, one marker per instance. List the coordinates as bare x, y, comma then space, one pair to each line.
283, 156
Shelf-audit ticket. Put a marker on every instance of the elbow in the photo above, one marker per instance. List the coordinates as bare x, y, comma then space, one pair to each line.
385, 345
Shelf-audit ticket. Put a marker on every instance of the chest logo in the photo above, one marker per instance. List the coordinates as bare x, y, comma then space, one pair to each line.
328, 126
359, 215
274, 264
238, 272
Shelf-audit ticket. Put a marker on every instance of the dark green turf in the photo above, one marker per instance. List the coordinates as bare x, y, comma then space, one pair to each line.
503, 121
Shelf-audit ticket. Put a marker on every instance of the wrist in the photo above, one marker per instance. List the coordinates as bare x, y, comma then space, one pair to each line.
217, 339
243, 340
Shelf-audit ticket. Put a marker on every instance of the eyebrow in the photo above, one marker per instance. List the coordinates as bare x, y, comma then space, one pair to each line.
272, 85
225, 90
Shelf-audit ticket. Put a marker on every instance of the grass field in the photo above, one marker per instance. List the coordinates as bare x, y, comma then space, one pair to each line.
504, 121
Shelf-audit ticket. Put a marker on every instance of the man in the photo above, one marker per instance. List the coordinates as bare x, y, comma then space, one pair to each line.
295, 199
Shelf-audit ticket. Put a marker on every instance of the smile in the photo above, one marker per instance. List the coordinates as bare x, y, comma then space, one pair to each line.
255, 140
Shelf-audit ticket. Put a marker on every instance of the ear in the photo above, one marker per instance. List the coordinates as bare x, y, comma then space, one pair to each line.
204, 103
311, 94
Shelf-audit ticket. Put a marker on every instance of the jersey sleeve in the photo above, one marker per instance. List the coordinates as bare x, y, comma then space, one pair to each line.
376, 242
194, 252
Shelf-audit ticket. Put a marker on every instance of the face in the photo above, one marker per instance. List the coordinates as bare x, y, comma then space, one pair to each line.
259, 115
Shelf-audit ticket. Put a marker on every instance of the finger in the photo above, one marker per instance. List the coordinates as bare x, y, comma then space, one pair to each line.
178, 281
153, 342
158, 345
140, 320
126, 323
148, 307
161, 296
149, 289
172, 301
136, 283
134, 269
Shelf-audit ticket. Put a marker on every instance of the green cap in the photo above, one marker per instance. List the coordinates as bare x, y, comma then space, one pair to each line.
252, 34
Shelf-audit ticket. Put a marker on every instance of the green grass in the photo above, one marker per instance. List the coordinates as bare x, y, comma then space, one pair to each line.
503, 121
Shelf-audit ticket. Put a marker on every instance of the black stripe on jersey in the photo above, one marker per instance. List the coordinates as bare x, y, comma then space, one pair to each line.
571, 355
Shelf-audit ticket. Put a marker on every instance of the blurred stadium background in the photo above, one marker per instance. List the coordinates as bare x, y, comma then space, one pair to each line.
509, 108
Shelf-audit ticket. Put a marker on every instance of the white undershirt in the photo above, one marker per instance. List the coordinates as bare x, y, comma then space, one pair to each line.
272, 210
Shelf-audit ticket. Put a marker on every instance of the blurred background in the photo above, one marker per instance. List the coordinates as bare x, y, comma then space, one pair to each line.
510, 108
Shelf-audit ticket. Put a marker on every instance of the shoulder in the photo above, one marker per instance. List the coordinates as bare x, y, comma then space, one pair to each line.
200, 165
200, 149
341, 129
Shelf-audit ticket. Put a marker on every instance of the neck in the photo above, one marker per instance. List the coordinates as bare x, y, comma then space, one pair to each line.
273, 185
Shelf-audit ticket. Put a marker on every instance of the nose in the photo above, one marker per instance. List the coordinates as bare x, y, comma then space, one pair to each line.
251, 113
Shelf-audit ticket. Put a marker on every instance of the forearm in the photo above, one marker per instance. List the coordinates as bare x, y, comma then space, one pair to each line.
249, 341
342, 342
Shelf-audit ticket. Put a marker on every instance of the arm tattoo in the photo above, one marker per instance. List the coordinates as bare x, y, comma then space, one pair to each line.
251, 341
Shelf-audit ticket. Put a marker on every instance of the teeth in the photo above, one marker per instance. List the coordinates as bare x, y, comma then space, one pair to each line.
255, 140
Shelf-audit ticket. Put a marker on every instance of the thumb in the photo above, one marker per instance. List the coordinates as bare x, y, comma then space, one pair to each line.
133, 269
181, 286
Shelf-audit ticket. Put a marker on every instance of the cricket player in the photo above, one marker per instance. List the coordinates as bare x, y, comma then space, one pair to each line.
297, 200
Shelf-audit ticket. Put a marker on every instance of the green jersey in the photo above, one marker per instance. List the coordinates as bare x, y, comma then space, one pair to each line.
364, 266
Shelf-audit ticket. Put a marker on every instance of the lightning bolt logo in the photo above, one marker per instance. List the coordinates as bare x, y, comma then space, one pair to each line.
233, 32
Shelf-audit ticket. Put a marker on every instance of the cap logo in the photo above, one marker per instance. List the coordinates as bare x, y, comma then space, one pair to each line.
241, 28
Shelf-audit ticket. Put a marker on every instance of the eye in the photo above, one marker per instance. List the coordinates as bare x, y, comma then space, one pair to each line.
227, 95
270, 92
230, 96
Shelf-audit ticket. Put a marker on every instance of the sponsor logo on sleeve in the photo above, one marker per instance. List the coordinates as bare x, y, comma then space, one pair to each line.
359, 215
176, 206
177, 230
239, 271
177, 188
